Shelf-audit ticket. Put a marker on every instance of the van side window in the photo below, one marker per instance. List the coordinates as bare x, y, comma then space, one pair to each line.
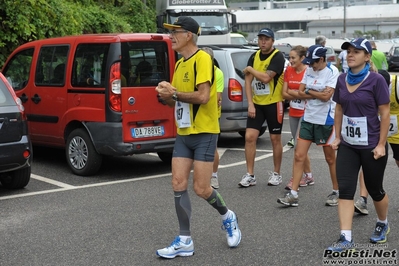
89, 65
144, 63
51, 66
18, 68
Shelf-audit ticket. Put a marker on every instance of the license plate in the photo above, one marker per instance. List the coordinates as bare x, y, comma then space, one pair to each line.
145, 132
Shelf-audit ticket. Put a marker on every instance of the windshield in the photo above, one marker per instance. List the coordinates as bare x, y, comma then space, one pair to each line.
210, 23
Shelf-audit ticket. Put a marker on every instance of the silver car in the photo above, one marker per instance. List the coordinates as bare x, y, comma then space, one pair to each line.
232, 60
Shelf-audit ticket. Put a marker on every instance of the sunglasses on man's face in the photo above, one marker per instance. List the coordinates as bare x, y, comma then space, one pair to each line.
174, 32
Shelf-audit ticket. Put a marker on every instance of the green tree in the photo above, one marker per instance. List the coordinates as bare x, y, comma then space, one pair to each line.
357, 33
374, 33
28, 20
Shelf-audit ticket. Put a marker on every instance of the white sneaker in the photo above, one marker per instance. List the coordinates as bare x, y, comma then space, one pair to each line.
361, 206
215, 182
247, 180
233, 233
177, 248
274, 179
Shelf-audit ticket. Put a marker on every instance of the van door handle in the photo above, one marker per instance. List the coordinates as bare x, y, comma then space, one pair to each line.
24, 98
36, 99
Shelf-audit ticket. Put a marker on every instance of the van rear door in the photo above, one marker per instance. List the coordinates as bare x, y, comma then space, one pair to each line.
144, 64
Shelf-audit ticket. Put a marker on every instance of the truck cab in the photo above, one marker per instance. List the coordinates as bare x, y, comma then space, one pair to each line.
213, 18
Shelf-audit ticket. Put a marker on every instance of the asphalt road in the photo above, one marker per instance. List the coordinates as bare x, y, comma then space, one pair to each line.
126, 212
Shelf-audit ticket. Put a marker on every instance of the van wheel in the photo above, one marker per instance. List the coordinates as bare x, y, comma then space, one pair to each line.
16, 179
165, 157
261, 132
81, 155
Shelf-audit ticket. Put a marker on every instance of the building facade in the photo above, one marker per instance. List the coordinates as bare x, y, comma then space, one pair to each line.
379, 21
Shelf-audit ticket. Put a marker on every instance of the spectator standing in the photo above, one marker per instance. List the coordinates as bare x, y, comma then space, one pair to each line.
263, 87
379, 59
342, 62
293, 76
219, 80
362, 97
193, 95
317, 87
320, 40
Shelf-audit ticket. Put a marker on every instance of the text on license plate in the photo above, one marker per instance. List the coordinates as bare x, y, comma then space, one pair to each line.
143, 132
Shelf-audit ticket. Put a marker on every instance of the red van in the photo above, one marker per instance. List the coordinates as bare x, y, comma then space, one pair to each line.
94, 95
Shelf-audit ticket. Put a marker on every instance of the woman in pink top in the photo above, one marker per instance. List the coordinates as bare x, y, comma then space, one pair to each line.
292, 79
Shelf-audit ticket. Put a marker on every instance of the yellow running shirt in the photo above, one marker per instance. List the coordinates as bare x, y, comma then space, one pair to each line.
203, 118
394, 105
265, 94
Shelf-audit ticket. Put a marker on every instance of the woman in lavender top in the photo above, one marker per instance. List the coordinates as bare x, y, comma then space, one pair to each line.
361, 124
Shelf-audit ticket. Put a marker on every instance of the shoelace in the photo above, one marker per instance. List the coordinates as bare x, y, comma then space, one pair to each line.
247, 178
273, 176
343, 243
331, 195
378, 229
227, 226
175, 242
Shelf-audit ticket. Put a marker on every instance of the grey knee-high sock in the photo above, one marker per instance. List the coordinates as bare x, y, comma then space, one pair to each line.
217, 202
183, 211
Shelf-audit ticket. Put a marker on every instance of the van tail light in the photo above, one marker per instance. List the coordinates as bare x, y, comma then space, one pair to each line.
235, 91
115, 87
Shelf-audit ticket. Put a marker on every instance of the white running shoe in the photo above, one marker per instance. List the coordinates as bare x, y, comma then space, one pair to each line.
274, 179
332, 199
361, 206
214, 182
177, 248
233, 233
247, 180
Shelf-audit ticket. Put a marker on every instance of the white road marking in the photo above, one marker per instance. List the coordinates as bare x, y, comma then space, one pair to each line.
84, 186
66, 187
285, 148
51, 181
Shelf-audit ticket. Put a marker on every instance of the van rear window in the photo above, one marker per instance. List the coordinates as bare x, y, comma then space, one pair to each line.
240, 61
144, 63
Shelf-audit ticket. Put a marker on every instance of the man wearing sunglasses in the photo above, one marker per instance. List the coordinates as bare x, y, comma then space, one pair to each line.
193, 95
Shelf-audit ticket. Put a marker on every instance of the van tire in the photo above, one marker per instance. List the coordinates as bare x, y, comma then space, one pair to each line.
89, 160
261, 132
16, 179
165, 157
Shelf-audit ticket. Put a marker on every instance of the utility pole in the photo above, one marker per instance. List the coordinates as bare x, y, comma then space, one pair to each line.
344, 33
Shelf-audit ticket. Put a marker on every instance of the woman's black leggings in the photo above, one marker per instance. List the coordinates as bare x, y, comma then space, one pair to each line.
348, 163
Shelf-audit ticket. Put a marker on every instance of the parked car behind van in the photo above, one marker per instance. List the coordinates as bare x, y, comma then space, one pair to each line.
331, 56
232, 59
94, 95
15, 145
393, 57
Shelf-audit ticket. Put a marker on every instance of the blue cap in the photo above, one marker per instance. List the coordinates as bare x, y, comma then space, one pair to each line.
266, 32
358, 43
313, 53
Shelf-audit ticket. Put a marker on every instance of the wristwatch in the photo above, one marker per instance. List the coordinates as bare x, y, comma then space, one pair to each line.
174, 96
307, 90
